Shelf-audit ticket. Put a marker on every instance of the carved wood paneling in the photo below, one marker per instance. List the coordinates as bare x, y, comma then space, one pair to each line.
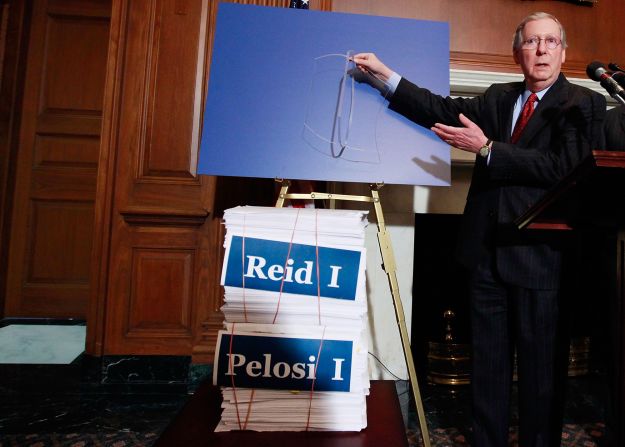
13, 40
160, 120
164, 216
153, 202
481, 30
161, 292
206, 337
153, 291
60, 231
4, 27
57, 258
75, 49
53, 188
173, 51
66, 151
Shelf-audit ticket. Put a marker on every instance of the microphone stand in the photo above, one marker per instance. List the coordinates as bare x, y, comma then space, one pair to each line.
619, 76
619, 98
614, 90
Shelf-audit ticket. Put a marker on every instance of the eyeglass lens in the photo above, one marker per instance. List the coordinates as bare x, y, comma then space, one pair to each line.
533, 42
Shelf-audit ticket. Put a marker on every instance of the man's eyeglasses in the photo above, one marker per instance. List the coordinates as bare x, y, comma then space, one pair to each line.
531, 43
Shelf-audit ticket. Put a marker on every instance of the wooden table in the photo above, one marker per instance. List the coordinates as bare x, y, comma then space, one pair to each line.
195, 424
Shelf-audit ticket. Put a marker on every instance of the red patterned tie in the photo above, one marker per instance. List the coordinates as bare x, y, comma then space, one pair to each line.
524, 117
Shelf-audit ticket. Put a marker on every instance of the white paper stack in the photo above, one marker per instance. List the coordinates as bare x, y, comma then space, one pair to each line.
294, 344
289, 408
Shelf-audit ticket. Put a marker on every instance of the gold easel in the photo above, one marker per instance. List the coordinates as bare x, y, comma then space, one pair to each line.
389, 266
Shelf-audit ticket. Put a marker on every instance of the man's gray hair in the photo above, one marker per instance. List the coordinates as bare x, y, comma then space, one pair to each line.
518, 35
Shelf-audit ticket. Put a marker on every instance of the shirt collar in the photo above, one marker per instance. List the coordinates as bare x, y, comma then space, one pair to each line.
526, 94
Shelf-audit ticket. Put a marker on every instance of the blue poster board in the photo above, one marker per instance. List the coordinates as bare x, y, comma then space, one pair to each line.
281, 102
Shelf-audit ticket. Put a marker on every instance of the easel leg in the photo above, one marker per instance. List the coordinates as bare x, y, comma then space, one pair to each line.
388, 260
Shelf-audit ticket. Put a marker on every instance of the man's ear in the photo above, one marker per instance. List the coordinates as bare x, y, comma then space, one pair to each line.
515, 56
563, 55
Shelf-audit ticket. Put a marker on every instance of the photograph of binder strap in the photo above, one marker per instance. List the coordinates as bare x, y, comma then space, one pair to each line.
344, 112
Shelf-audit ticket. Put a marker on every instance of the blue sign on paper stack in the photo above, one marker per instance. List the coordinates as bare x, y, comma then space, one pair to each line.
295, 309
264, 268
285, 363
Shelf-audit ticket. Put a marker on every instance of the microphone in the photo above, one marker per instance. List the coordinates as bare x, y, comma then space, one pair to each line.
619, 77
618, 73
597, 72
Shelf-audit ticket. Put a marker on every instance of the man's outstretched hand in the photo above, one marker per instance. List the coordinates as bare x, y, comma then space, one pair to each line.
469, 138
369, 62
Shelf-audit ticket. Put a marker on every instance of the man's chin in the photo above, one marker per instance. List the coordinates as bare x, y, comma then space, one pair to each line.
541, 77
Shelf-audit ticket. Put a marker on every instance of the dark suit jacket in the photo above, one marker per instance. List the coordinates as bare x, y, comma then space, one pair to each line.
614, 129
564, 128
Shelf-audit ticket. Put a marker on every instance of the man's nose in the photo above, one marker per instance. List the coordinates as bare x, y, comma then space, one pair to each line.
541, 48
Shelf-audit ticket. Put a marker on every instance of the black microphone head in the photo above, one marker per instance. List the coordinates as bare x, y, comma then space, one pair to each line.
591, 70
614, 66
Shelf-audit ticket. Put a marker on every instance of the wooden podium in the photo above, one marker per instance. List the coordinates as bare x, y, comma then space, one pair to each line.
592, 198
195, 425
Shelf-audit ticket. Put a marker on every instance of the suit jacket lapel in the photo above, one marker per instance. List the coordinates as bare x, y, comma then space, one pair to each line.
545, 110
506, 110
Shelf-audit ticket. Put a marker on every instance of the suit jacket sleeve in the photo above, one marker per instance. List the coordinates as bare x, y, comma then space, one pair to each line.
426, 108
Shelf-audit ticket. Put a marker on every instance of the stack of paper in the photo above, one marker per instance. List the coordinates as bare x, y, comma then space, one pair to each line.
293, 354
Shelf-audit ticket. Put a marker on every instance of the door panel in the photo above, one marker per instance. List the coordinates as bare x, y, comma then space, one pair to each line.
57, 158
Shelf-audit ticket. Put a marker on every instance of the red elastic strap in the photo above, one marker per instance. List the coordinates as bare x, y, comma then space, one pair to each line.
234, 389
288, 255
312, 387
318, 276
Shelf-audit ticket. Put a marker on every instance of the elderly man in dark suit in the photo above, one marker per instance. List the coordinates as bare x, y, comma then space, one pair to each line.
527, 136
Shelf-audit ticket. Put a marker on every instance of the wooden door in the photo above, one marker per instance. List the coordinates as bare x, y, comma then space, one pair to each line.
51, 225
